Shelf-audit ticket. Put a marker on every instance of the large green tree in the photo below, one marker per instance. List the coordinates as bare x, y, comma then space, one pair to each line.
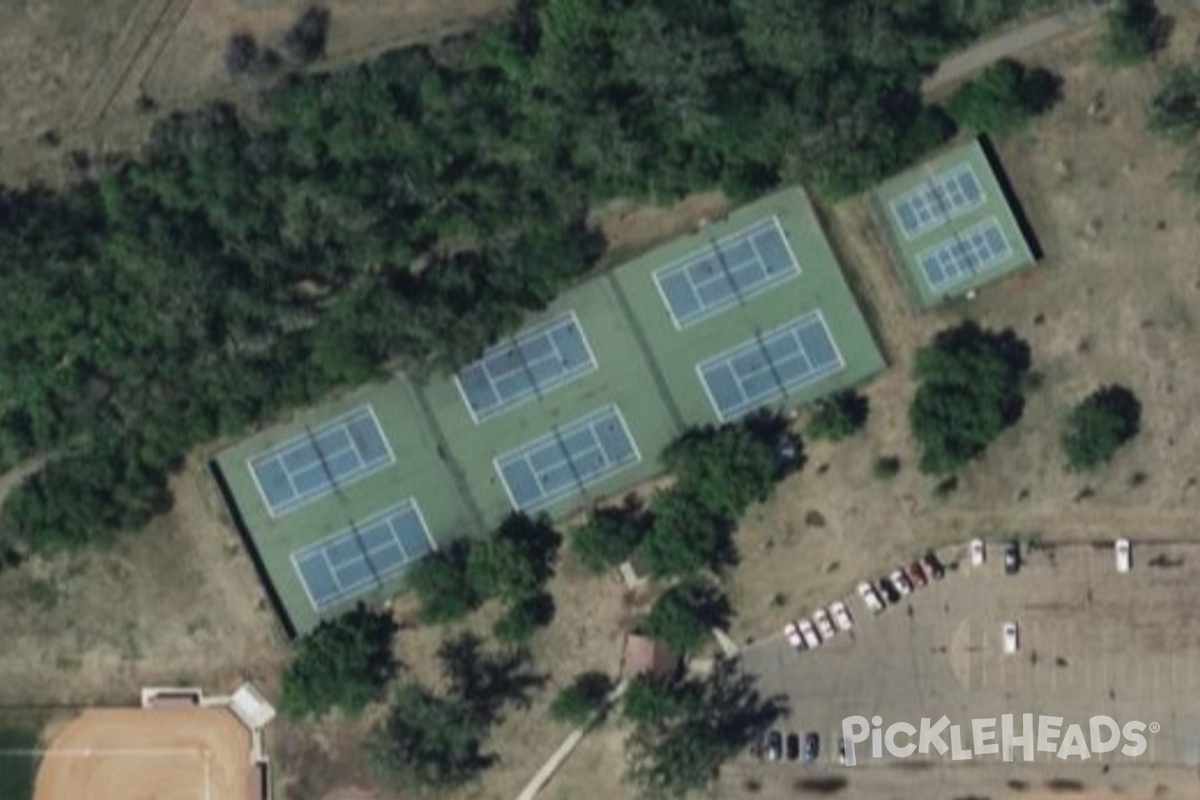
344, 663
969, 390
1004, 96
683, 616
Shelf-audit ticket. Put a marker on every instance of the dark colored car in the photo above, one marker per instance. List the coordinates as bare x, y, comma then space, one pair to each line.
812, 747
793, 747
773, 748
916, 574
890, 592
933, 566
1012, 558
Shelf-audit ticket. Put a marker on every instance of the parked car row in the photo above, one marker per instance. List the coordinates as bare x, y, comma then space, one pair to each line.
780, 746
901, 582
822, 625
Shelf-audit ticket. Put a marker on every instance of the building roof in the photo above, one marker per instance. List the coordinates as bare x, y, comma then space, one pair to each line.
646, 656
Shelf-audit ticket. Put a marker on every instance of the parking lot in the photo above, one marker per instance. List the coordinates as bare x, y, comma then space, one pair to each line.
1092, 641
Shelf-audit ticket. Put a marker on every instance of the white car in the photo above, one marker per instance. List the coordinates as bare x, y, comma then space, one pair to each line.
1121, 548
841, 615
1009, 631
823, 624
792, 632
870, 597
900, 581
808, 634
978, 553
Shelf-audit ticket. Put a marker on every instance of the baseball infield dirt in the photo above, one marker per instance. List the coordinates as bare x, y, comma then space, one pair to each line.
184, 754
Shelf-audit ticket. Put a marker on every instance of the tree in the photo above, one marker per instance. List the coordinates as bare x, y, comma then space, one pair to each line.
489, 680
654, 700
684, 616
524, 618
582, 699
839, 417
886, 467
241, 54
1004, 96
428, 744
969, 391
686, 535
1134, 31
672, 757
610, 537
306, 39
1175, 109
440, 581
731, 466
1099, 425
345, 663
514, 563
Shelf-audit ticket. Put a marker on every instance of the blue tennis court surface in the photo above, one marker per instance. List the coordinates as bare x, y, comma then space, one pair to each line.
569, 459
946, 195
357, 560
531, 363
321, 460
766, 367
732, 269
961, 256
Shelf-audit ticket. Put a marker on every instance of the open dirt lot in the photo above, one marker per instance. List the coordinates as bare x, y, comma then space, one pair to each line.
77, 68
192, 754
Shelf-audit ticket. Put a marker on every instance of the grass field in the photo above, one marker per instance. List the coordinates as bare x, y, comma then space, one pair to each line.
17, 771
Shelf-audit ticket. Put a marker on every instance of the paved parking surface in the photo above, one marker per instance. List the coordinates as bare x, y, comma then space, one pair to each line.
1092, 641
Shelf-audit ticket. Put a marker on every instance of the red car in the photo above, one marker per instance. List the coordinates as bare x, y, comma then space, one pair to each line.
916, 574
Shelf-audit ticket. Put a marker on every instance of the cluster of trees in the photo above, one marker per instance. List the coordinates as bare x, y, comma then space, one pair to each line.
434, 741
1004, 96
688, 528
971, 389
410, 209
511, 566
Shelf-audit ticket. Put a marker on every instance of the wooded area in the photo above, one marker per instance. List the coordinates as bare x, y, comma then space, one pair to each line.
409, 210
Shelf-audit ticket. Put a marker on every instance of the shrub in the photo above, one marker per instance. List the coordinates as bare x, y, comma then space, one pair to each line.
969, 391
886, 467
610, 537
1099, 425
840, 416
587, 695
684, 616
343, 663
1004, 96
1134, 31
241, 54
1174, 110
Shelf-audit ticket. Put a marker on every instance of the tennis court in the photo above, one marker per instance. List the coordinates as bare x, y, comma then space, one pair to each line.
952, 225
947, 194
321, 460
728, 271
769, 366
568, 459
530, 364
965, 255
359, 559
